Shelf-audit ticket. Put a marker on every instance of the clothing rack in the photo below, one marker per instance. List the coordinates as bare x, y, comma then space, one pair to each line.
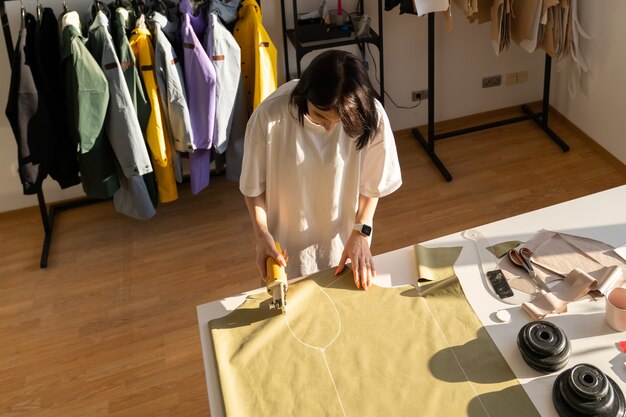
540, 118
47, 213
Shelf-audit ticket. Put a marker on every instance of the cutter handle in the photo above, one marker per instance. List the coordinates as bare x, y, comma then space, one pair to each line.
275, 271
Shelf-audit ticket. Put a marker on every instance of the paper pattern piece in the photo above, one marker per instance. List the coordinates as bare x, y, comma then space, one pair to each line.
476, 9
501, 23
549, 24
423, 7
343, 352
573, 47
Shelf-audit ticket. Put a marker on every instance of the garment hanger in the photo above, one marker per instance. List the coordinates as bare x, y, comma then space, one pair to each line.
160, 6
98, 6
23, 15
38, 12
65, 9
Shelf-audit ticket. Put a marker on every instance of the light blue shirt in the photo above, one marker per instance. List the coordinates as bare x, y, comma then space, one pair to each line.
224, 52
122, 126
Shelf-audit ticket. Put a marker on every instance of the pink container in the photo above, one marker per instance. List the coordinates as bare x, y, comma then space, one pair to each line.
616, 309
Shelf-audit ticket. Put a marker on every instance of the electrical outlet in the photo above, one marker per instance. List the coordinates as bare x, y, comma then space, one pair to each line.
522, 77
493, 81
419, 95
511, 78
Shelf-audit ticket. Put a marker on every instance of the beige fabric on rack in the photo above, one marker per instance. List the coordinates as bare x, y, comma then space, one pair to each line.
340, 351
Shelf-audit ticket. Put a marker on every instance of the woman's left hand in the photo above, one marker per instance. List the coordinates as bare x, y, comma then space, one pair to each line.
358, 251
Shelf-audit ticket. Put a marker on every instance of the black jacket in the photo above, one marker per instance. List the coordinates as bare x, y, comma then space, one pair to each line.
63, 160
27, 114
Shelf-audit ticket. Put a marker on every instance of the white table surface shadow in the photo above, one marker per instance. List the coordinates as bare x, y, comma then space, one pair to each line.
600, 216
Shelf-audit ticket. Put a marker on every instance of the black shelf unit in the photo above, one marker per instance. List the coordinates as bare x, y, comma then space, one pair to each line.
303, 48
540, 118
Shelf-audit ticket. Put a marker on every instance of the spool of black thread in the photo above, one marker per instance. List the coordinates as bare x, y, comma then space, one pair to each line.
544, 346
585, 391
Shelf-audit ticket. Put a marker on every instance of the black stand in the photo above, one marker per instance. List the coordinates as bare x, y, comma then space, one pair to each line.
541, 118
47, 215
303, 48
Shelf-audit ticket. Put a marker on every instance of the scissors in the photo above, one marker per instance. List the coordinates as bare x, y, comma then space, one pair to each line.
521, 259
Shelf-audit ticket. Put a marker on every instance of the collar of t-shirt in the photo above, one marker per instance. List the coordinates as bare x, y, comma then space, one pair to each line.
315, 126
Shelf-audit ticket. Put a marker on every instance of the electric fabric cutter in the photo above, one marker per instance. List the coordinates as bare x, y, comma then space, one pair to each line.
276, 283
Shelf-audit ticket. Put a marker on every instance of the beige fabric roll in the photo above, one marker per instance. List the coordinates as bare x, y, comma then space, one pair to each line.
340, 351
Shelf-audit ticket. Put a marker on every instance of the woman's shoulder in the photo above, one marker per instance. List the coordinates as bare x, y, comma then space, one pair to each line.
279, 98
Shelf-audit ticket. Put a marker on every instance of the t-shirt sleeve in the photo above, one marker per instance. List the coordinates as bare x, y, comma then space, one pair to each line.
253, 166
380, 169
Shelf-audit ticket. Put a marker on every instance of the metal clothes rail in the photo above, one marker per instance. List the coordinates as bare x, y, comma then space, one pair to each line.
541, 118
47, 213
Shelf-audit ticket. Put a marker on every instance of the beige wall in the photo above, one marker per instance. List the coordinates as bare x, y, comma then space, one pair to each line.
464, 56
599, 106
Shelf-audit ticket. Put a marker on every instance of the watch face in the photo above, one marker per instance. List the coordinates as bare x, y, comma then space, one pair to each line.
366, 230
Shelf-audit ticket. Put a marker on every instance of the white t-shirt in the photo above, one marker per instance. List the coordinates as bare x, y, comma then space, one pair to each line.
312, 179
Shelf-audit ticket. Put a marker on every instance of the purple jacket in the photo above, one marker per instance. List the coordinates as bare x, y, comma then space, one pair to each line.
200, 84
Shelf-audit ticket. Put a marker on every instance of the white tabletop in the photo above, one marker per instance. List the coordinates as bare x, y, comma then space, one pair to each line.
600, 216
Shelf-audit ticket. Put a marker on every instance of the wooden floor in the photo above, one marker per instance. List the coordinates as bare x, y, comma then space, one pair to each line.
109, 328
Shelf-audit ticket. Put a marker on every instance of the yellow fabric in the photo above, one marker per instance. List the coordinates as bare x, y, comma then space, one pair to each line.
258, 55
435, 267
340, 351
156, 133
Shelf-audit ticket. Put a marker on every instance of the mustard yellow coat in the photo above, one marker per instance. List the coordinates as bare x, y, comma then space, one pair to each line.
156, 132
258, 55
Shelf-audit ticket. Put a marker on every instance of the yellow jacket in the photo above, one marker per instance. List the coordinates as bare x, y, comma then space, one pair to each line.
156, 132
258, 54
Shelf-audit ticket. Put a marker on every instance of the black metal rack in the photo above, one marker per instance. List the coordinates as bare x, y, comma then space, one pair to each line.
541, 118
47, 214
303, 48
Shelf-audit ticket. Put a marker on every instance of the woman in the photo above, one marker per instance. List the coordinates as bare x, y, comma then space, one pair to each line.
318, 154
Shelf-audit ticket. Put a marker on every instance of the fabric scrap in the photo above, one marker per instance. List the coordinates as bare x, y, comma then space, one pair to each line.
501, 249
574, 286
556, 254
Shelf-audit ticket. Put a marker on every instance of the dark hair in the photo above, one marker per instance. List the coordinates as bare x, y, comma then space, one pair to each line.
337, 80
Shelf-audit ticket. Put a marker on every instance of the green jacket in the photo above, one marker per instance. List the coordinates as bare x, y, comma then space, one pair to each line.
87, 98
127, 62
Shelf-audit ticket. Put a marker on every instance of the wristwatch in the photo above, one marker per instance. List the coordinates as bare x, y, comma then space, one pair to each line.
364, 229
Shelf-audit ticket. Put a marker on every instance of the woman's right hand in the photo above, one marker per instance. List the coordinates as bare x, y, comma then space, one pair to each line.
265, 247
